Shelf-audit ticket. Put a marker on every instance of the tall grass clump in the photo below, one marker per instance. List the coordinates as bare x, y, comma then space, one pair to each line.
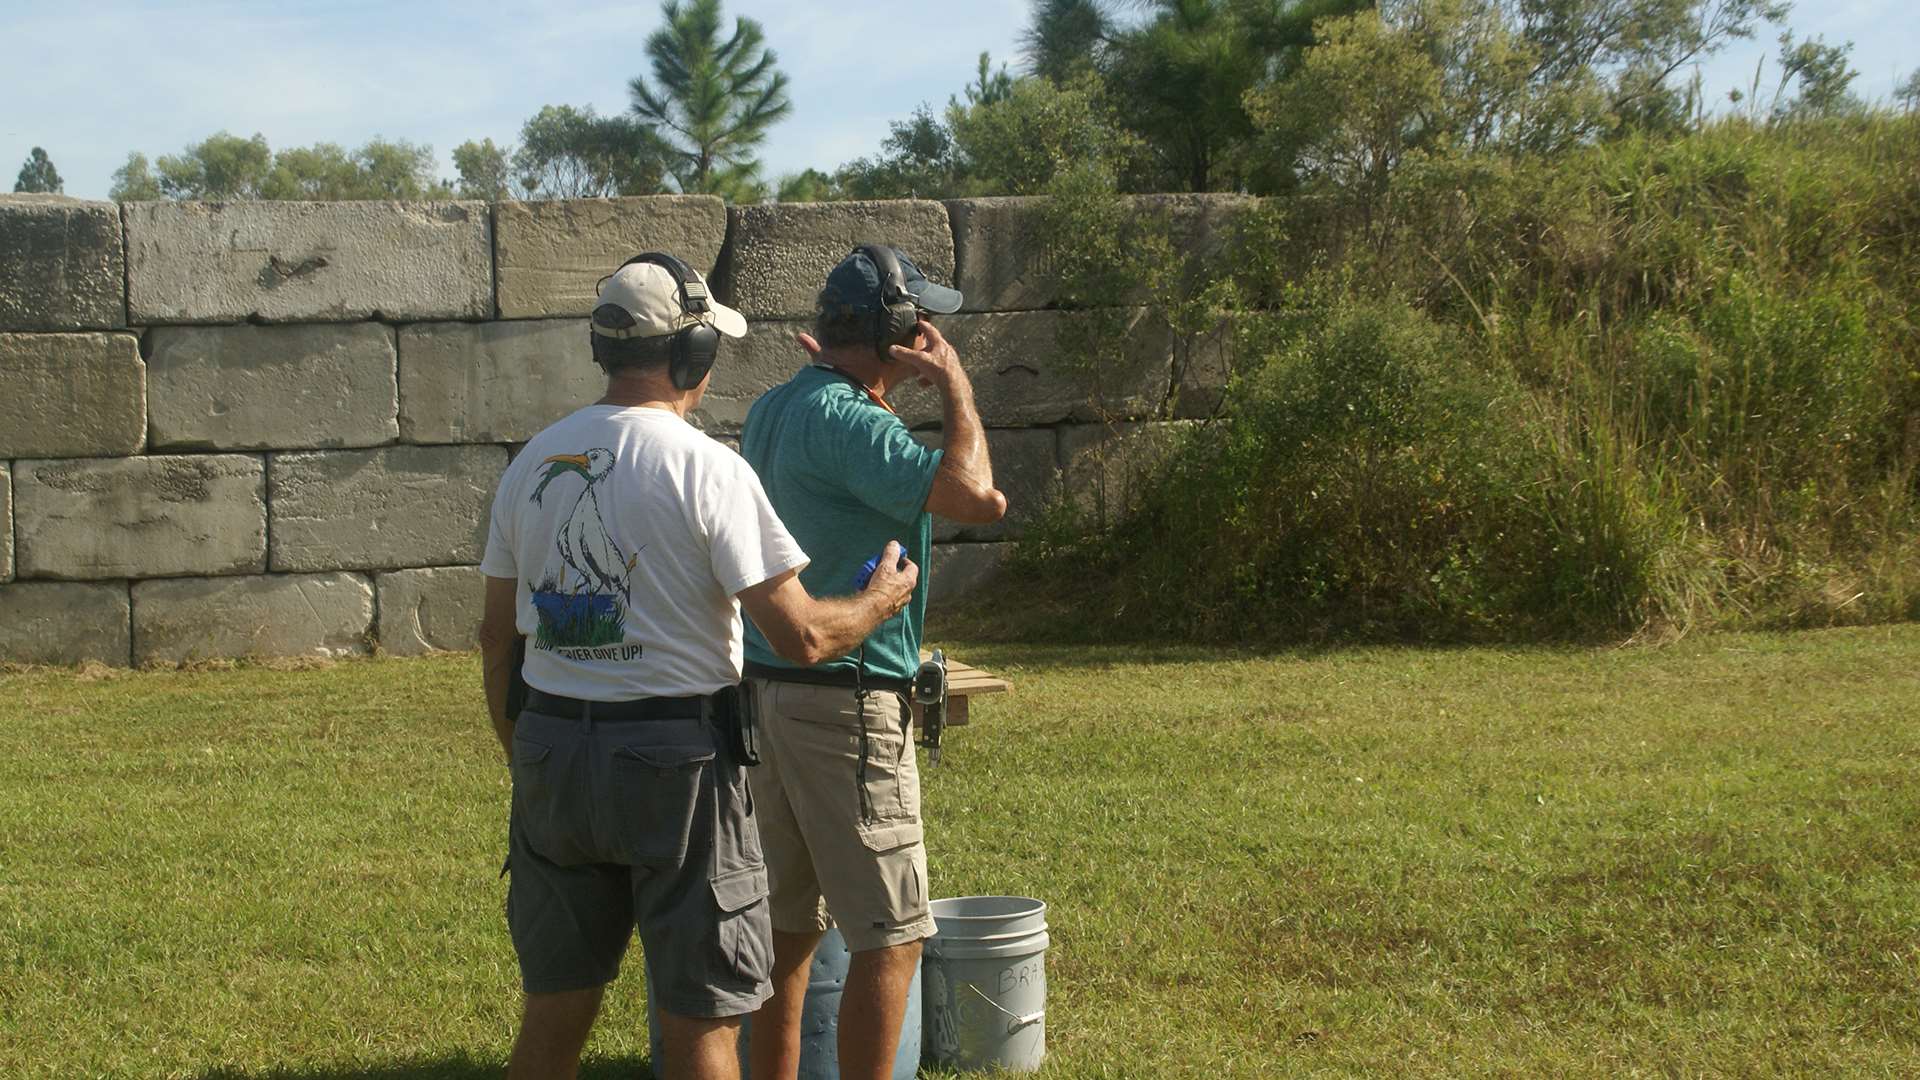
1657, 383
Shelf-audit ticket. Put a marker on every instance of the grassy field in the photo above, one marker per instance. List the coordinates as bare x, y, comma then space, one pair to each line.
1702, 859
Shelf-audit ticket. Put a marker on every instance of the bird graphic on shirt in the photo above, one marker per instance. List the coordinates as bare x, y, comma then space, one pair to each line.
586, 546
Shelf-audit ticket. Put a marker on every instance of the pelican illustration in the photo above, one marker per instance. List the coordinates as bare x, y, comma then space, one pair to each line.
585, 544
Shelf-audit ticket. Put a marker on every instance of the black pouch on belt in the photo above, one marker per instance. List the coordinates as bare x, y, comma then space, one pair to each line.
742, 725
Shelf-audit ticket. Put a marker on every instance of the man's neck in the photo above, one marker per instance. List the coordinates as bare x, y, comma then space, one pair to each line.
629, 392
861, 363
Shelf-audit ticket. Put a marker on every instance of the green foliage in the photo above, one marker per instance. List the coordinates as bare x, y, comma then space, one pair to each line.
1017, 144
1264, 95
1065, 37
714, 98
38, 175
1005, 137
808, 185
1656, 383
1822, 74
221, 167
134, 181
1180, 76
1908, 95
1371, 482
379, 170
917, 160
225, 167
485, 172
575, 153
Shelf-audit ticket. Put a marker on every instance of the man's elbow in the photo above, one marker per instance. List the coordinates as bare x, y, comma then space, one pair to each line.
983, 507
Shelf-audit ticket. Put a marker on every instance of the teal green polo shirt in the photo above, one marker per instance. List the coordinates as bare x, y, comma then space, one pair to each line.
845, 477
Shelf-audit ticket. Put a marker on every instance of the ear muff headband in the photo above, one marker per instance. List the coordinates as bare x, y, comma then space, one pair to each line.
898, 313
695, 347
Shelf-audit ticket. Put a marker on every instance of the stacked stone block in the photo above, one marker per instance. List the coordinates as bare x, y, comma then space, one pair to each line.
275, 429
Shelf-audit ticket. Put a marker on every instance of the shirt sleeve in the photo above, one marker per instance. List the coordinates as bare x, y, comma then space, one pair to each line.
499, 561
746, 540
884, 465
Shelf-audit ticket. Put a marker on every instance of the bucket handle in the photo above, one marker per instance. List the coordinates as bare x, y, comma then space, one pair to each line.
1015, 1021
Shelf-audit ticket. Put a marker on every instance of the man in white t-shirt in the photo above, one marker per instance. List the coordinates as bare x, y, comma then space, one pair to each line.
623, 545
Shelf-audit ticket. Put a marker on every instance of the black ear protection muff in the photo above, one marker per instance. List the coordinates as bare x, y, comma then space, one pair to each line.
694, 347
898, 314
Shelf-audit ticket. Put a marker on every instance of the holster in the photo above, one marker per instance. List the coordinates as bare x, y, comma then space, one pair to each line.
737, 714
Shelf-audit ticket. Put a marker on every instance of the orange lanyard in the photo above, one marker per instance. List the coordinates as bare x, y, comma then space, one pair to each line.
872, 394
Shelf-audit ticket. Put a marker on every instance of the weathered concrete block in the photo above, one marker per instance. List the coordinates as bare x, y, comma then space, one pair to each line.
1025, 469
266, 616
962, 570
6, 522
1109, 466
43, 622
423, 610
62, 264
1204, 364
493, 382
1003, 262
140, 517
551, 255
271, 387
308, 261
747, 368
778, 256
382, 509
1021, 378
71, 395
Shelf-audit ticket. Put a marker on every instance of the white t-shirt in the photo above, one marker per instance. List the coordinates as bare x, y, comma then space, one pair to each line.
629, 533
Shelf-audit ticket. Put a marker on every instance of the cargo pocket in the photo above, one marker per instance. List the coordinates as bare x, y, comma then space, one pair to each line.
900, 869
549, 824
888, 835
659, 790
889, 780
746, 935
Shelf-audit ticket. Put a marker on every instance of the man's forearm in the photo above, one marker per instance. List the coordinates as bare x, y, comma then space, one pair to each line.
496, 673
837, 625
965, 439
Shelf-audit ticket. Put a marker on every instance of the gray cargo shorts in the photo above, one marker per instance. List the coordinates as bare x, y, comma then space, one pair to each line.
637, 822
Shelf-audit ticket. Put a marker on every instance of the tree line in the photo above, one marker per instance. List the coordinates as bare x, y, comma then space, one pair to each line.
693, 125
1256, 96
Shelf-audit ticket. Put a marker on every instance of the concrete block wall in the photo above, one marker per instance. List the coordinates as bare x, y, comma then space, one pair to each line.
274, 429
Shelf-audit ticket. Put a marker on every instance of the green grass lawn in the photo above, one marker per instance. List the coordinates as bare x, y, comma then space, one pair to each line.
1702, 859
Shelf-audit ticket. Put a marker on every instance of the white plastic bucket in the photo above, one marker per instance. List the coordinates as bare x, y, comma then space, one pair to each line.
986, 983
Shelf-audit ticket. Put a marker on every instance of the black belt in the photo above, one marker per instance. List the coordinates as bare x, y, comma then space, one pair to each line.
847, 677
653, 708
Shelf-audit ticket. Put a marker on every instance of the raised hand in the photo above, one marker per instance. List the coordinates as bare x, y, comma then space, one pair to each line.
936, 364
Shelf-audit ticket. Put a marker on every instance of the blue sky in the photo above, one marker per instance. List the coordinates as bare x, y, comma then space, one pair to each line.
94, 79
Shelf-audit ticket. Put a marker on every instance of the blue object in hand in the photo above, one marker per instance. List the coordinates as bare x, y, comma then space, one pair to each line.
867, 568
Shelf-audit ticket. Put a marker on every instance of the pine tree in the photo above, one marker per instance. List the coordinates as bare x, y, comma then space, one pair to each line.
713, 99
39, 175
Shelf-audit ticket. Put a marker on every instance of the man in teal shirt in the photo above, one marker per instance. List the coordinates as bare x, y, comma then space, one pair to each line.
838, 793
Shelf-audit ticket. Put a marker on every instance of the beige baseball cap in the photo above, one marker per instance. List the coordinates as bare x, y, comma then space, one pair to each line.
647, 292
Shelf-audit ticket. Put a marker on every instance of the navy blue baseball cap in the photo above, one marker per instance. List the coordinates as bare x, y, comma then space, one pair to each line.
854, 287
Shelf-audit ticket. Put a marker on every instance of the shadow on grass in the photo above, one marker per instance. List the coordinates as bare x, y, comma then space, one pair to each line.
452, 1067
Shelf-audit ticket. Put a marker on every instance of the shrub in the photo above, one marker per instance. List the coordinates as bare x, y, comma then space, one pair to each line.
1655, 383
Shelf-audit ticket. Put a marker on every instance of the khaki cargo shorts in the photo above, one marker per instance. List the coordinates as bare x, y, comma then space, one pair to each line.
838, 825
